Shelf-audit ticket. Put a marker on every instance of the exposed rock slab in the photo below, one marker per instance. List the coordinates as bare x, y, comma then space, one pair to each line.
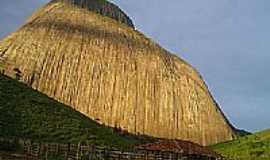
112, 73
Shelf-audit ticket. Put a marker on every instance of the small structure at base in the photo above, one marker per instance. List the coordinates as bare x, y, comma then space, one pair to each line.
180, 148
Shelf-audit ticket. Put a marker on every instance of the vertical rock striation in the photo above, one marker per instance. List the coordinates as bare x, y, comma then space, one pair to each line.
112, 73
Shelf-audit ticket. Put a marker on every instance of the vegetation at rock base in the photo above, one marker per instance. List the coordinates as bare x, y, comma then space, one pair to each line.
25, 113
255, 146
241, 132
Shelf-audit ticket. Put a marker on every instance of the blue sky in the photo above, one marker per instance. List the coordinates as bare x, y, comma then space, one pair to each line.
228, 41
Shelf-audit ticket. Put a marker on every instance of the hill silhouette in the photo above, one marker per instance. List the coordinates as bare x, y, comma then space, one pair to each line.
254, 146
28, 114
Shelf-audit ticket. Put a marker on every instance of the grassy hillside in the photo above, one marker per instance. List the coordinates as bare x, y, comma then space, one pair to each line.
255, 146
26, 113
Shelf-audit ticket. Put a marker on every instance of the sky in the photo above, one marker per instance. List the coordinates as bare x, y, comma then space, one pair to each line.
227, 41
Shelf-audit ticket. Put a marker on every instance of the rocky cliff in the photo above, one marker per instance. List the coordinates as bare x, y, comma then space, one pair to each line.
95, 61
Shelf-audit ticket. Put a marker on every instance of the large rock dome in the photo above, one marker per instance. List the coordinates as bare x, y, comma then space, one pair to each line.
94, 60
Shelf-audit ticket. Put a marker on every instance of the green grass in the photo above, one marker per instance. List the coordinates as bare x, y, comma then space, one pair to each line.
26, 113
255, 146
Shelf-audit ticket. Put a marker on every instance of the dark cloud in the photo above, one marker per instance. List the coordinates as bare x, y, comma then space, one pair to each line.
226, 40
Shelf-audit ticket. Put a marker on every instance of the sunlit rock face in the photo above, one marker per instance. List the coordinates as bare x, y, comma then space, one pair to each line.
100, 65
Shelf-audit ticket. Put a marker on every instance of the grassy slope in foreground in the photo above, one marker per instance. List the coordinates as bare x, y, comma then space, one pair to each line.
26, 113
255, 146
